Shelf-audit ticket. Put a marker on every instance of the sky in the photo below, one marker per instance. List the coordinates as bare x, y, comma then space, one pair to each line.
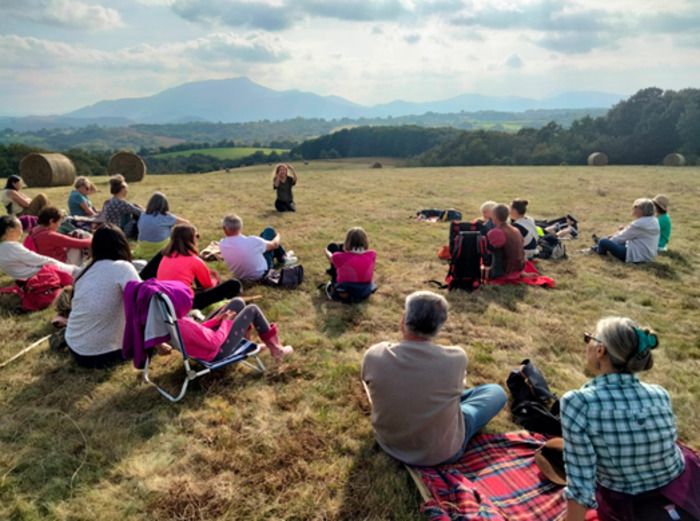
60, 55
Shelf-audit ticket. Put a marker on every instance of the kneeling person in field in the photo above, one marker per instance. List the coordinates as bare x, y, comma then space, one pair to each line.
250, 257
421, 412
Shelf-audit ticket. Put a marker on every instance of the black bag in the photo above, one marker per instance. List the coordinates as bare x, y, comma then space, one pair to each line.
465, 262
288, 278
551, 247
534, 406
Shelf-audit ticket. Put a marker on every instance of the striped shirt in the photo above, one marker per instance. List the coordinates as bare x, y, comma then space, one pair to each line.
620, 433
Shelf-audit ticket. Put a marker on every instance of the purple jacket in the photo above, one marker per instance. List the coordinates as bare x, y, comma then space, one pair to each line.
137, 298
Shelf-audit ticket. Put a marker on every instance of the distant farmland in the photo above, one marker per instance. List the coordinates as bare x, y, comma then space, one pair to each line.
221, 153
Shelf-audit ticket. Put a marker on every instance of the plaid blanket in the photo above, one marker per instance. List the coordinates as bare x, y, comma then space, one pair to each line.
497, 479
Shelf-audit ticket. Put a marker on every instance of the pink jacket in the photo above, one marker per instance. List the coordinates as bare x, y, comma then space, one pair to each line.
204, 341
355, 268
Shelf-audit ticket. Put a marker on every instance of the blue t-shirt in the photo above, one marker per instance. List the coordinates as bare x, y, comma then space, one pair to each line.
75, 199
155, 227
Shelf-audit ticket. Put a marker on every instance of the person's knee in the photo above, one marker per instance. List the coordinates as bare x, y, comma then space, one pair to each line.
497, 394
268, 233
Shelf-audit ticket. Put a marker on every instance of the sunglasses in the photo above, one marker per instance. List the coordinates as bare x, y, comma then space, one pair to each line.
587, 337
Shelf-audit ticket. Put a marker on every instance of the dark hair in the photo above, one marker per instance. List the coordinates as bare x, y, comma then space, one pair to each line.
356, 239
108, 243
183, 241
11, 180
157, 204
48, 215
520, 206
500, 212
116, 184
8, 222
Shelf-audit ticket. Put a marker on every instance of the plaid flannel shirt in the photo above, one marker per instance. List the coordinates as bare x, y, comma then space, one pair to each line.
621, 433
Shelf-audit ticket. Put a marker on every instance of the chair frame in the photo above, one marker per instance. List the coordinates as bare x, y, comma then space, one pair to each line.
167, 315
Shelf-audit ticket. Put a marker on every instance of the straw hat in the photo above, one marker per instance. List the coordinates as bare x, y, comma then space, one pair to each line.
550, 460
661, 201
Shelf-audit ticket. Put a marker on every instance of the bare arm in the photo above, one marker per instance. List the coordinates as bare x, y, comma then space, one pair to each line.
274, 243
180, 220
19, 198
575, 511
89, 210
293, 172
329, 255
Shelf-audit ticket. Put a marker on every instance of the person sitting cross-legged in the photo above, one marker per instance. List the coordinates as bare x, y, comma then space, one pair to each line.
249, 257
352, 268
636, 242
421, 413
509, 242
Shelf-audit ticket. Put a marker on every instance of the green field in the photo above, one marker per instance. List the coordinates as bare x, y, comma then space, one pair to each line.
222, 153
297, 443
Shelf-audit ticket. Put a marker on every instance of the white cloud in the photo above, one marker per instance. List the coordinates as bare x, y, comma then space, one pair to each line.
66, 13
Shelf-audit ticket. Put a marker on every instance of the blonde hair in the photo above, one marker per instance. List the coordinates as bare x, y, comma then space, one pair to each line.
356, 240
83, 181
488, 205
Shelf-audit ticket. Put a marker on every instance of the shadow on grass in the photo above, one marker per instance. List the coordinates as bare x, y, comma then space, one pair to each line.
660, 270
478, 301
62, 434
677, 258
378, 487
335, 318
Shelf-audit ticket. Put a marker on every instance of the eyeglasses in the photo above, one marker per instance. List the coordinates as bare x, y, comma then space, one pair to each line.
587, 337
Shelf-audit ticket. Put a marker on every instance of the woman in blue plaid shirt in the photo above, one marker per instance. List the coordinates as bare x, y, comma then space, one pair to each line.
620, 434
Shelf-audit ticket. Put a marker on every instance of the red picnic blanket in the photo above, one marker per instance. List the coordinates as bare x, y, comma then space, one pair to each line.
530, 276
496, 480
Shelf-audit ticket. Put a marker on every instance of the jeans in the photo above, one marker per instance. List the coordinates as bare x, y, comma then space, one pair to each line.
279, 254
479, 405
617, 249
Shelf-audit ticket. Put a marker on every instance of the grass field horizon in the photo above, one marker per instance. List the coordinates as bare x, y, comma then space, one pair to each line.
222, 152
296, 443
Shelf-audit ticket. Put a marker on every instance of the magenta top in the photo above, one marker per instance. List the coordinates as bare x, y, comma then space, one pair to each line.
354, 268
203, 341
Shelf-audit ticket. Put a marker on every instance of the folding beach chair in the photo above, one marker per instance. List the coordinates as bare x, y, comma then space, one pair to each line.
162, 313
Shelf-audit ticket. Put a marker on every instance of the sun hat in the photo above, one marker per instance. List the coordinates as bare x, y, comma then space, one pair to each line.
550, 460
661, 201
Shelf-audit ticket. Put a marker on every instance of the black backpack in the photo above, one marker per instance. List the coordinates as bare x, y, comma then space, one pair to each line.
288, 278
551, 247
465, 256
534, 407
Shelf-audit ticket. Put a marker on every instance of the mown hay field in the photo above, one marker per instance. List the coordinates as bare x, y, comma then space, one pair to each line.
296, 443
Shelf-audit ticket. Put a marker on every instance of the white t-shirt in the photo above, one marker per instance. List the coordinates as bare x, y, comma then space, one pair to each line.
21, 264
96, 322
244, 256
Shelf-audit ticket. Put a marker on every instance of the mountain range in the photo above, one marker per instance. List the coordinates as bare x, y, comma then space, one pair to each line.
238, 100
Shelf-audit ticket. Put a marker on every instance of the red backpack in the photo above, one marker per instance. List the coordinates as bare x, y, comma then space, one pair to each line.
41, 290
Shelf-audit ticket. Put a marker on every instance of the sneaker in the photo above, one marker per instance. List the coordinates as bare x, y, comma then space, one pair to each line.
329, 290
290, 260
197, 315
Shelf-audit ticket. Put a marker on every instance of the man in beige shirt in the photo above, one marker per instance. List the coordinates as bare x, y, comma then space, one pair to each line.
421, 413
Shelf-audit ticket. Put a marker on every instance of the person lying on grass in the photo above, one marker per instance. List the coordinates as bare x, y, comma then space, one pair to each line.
219, 336
180, 261
18, 203
620, 437
421, 413
50, 242
284, 178
352, 266
636, 242
249, 257
96, 321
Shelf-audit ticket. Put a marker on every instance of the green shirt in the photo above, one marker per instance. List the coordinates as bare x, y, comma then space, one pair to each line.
665, 226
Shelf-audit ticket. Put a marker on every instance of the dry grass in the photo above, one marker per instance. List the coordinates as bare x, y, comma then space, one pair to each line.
296, 443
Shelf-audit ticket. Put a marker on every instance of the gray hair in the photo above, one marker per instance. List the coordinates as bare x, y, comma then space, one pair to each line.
425, 313
233, 223
646, 206
621, 341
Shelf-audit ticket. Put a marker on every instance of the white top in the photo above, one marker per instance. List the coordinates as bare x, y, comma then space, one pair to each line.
7, 200
641, 238
528, 229
244, 256
96, 321
21, 264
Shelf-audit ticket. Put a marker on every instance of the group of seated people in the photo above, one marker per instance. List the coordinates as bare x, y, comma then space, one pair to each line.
620, 437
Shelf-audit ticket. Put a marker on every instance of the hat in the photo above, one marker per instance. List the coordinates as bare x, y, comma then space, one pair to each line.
661, 201
550, 460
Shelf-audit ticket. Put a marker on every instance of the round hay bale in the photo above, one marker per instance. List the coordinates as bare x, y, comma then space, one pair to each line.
674, 160
597, 159
128, 164
377, 165
47, 170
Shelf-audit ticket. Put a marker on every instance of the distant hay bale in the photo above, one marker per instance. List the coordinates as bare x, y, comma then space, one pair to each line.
674, 160
128, 164
47, 170
377, 165
597, 159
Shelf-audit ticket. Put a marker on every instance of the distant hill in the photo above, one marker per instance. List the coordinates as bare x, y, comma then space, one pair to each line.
240, 100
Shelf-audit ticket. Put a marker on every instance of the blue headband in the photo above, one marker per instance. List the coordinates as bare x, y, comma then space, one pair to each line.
645, 341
